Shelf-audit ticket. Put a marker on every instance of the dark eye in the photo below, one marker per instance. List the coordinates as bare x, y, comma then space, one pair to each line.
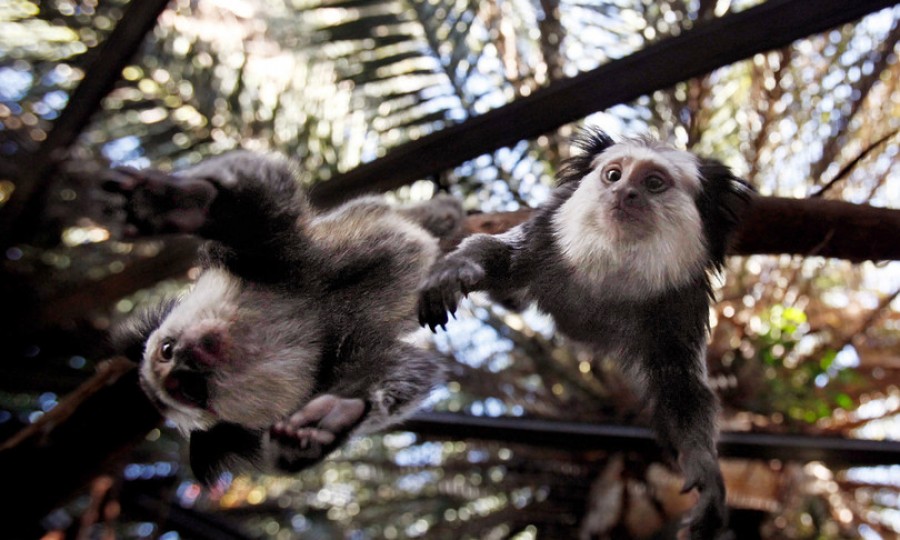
613, 175
655, 184
167, 349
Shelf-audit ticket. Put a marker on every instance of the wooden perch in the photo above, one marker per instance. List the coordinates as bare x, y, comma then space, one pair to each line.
805, 227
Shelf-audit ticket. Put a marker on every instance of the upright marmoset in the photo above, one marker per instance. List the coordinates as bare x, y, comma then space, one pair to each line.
621, 257
292, 337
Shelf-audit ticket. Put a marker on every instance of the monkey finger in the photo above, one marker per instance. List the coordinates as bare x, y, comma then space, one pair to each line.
709, 515
432, 308
120, 181
313, 411
301, 438
470, 275
344, 415
307, 436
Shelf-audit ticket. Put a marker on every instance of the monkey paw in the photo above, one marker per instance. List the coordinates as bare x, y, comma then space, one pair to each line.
313, 432
158, 203
709, 517
450, 279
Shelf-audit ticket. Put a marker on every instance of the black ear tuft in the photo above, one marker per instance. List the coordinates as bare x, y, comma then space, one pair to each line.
722, 203
592, 142
128, 338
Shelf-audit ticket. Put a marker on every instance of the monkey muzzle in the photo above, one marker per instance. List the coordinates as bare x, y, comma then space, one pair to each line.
629, 205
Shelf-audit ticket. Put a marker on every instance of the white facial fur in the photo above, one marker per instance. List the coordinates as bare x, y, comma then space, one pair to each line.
263, 370
661, 248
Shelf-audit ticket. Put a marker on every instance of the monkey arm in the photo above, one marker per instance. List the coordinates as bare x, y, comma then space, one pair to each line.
685, 421
481, 263
300, 441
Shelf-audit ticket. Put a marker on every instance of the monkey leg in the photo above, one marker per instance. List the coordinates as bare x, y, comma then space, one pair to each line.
684, 414
316, 430
295, 443
158, 203
408, 380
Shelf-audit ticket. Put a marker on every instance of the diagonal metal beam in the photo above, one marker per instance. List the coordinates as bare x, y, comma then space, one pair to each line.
708, 46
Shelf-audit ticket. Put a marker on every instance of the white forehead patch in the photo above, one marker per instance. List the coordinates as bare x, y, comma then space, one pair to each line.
214, 296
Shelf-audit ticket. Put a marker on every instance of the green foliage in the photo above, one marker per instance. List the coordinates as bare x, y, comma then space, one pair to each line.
805, 384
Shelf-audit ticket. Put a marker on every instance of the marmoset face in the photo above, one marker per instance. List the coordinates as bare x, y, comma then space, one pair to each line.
642, 191
231, 351
634, 214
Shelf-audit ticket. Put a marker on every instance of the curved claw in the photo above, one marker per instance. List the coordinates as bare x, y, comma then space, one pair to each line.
452, 279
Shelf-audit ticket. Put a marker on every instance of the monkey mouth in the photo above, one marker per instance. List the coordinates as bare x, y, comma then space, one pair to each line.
626, 214
188, 387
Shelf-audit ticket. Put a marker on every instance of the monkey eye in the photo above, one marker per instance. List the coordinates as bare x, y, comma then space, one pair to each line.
655, 184
167, 349
613, 175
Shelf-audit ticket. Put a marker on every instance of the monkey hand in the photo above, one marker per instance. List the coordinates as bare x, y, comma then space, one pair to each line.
451, 278
709, 516
316, 430
157, 203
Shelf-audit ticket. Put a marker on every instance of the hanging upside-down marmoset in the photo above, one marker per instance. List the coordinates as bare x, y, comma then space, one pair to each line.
292, 337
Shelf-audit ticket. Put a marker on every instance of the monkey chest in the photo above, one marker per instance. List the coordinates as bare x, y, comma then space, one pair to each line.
589, 316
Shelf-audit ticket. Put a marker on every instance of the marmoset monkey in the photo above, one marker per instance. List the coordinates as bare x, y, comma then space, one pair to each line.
620, 257
292, 337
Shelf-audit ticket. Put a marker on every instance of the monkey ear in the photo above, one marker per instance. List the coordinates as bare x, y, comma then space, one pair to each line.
592, 142
722, 203
128, 337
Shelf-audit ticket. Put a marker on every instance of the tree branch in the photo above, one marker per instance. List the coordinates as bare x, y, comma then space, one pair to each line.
46, 462
848, 168
774, 225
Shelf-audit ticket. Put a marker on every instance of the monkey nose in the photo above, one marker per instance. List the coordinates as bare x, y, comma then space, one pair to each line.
202, 353
629, 197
